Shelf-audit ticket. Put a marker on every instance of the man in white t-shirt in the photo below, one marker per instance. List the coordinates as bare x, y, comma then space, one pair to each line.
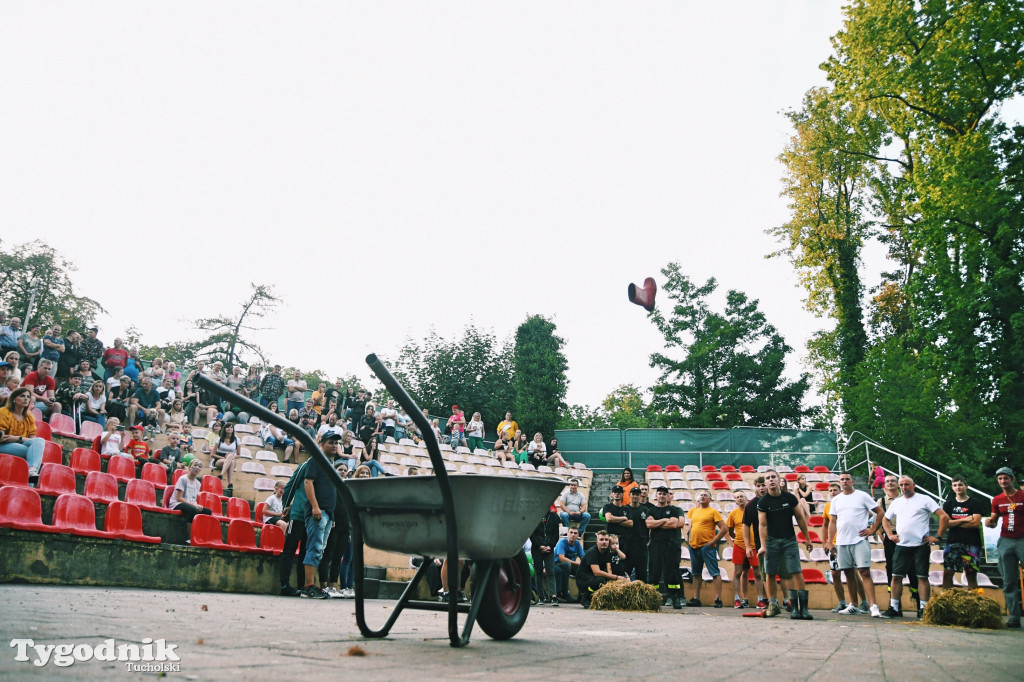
913, 514
855, 515
389, 414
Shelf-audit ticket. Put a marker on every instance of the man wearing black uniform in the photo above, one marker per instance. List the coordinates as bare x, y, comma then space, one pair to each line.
615, 514
634, 539
752, 539
542, 547
595, 569
665, 522
779, 552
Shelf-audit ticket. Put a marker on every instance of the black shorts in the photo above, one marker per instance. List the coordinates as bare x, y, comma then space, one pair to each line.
911, 560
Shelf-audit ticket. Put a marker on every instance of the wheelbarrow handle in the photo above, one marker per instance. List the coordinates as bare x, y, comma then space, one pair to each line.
398, 392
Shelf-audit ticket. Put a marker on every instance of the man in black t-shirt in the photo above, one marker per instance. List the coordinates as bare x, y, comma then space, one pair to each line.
752, 539
595, 569
665, 522
963, 541
322, 496
615, 514
634, 541
645, 497
778, 552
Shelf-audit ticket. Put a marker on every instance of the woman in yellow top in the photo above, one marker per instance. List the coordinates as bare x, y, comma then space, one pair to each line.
627, 483
18, 430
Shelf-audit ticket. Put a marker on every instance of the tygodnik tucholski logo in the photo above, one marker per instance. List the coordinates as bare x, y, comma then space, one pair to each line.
149, 656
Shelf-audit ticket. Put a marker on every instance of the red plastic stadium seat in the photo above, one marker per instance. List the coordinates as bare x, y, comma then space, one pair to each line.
56, 479
168, 491
63, 425
242, 536
709, 467
84, 460
802, 469
206, 533
654, 467
13, 471
36, 414
76, 514
212, 502
747, 469
53, 453
816, 521
155, 474
239, 509
143, 495
790, 477
713, 476
803, 540
21, 508
101, 487
176, 475
211, 484
122, 468
719, 485
813, 576
125, 521
272, 538
822, 469
821, 486
733, 476
43, 430
673, 467
727, 469
90, 430
257, 516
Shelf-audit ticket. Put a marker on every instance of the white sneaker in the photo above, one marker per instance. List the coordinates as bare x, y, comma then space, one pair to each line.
333, 593
850, 610
837, 608
348, 593
875, 613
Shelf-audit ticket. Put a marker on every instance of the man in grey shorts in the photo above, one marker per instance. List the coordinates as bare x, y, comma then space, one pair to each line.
779, 553
851, 513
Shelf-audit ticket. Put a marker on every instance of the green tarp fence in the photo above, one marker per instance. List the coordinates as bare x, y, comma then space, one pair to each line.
612, 448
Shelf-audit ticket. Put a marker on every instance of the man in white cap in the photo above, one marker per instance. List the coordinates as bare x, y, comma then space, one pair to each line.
1009, 505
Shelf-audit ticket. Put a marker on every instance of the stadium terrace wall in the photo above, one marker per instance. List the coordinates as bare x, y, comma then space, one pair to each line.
638, 448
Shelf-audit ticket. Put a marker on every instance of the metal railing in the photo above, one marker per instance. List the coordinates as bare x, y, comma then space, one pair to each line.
900, 465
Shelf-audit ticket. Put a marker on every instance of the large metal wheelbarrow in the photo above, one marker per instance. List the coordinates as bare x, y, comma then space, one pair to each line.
483, 518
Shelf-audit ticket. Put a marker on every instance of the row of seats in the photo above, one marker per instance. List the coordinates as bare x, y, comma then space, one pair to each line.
743, 469
21, 509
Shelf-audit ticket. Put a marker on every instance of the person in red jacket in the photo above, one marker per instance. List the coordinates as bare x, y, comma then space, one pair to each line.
114, 358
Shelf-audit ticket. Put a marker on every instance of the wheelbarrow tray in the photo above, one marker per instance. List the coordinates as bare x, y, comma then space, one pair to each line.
494, 515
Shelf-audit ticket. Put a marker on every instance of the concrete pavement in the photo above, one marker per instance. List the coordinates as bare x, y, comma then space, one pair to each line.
250, 637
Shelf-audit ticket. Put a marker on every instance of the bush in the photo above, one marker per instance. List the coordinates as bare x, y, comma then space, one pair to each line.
620, 595
964, 608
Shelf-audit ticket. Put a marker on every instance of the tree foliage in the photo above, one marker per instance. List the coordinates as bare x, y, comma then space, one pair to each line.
539, 379
473, 371
732, 364
228, 338
910, 123
56, 301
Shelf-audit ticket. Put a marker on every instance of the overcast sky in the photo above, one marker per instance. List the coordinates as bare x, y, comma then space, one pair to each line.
395, 166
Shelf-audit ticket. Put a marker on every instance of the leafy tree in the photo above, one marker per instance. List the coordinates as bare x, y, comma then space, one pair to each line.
731, 372
538, 378
56, 300
624, 408
473, 371
225, 340
582, 417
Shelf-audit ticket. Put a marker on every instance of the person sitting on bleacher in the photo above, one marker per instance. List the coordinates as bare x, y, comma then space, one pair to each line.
5, 375
137, 448
94, 409
273, 508
572, 506
330, 424
43, 387
223, 456
169, 456
555, 458
538, 452
144, 406
568, 554
503, 449
72, 398
18, 430
274, 437
369, 458
110, 441
186, 492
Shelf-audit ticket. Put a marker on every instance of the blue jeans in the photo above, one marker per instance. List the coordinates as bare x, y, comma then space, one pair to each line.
583, 518
707, 555
31, 451
375, 467
316, 536
294, 405
285, 442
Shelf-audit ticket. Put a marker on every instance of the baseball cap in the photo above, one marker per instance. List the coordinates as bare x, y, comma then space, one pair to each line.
6, 364
140, 427
1005, 470
330, 434
662, 489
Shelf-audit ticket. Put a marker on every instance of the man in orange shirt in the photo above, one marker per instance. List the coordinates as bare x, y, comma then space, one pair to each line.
707, 527
741, 561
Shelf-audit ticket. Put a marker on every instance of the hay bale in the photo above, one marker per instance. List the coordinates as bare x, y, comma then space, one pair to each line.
964, 608
620, 595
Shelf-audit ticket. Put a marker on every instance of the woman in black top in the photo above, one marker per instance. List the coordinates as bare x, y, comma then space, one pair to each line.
804, 494
119, 398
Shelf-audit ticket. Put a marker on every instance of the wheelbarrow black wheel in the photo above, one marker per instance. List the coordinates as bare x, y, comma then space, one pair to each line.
505, 601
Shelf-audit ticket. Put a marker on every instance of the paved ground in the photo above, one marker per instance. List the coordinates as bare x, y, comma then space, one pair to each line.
241, 637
